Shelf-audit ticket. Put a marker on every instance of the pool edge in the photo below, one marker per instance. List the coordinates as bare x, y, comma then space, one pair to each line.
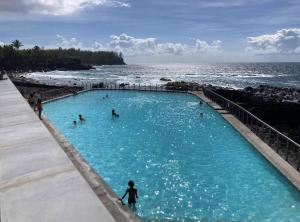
102, 190
264, 149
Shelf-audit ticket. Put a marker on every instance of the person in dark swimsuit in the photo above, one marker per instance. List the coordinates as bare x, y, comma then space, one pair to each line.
81, 118
31, 100
132, 195
114, 114
39, 107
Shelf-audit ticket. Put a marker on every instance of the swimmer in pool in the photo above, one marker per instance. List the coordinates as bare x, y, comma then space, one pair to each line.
132, 195
81, 118
114, 114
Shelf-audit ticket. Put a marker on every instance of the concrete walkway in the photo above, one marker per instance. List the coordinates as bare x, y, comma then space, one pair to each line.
38, 183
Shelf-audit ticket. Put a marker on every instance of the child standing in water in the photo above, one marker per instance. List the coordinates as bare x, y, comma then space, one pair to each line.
132, 195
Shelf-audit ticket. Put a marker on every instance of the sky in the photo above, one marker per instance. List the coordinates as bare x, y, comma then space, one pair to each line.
160, 31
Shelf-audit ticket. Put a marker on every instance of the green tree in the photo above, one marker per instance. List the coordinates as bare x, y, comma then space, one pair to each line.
36, 48
38, 58
17, 44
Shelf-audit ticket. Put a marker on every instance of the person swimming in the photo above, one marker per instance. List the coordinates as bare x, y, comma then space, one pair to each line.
201, 114
74, 123
106, 96
114, 114
81, 118
200, 103
132, 195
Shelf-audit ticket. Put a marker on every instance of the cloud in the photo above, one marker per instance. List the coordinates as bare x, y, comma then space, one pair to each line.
149, 49
64, 42
172, 48
132, 46
228, 3
203, 46
98, 46
55, 7
284, 41
148, 46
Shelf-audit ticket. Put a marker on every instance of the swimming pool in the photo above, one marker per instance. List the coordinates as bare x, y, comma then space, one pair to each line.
185, 167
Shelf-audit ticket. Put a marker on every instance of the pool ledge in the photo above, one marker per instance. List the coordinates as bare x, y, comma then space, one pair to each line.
102, 190
277, 161
38, 182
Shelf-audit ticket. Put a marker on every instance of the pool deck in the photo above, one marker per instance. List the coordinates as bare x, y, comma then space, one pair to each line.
38, 182
285, 168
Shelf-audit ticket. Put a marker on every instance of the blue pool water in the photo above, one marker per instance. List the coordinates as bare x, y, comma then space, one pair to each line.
186, 168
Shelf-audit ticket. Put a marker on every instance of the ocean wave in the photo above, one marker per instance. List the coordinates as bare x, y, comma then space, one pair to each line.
228, 75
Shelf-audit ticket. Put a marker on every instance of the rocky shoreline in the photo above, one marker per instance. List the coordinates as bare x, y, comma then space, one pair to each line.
46, 92
279, 107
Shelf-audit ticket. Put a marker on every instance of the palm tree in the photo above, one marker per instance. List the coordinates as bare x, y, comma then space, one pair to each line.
36, 48
17, 44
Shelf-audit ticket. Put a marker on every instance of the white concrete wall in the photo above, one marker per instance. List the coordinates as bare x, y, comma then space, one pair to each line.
38, 183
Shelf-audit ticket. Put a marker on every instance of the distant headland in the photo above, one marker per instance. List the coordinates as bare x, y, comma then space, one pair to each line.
14, 59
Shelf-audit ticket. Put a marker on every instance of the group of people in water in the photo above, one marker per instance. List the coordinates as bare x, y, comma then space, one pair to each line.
35, 103
81, 119
106, 97
114, 114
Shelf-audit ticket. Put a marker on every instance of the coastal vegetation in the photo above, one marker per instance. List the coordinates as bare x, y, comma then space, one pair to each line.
13, 58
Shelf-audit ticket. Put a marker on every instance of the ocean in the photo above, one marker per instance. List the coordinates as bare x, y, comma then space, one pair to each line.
234, 75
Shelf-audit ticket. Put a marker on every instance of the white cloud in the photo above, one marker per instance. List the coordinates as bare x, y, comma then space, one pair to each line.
145, 50
203, 46
64, 42
284, 41
132, 46
55, 7
228, 3
98, 46
172, 48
